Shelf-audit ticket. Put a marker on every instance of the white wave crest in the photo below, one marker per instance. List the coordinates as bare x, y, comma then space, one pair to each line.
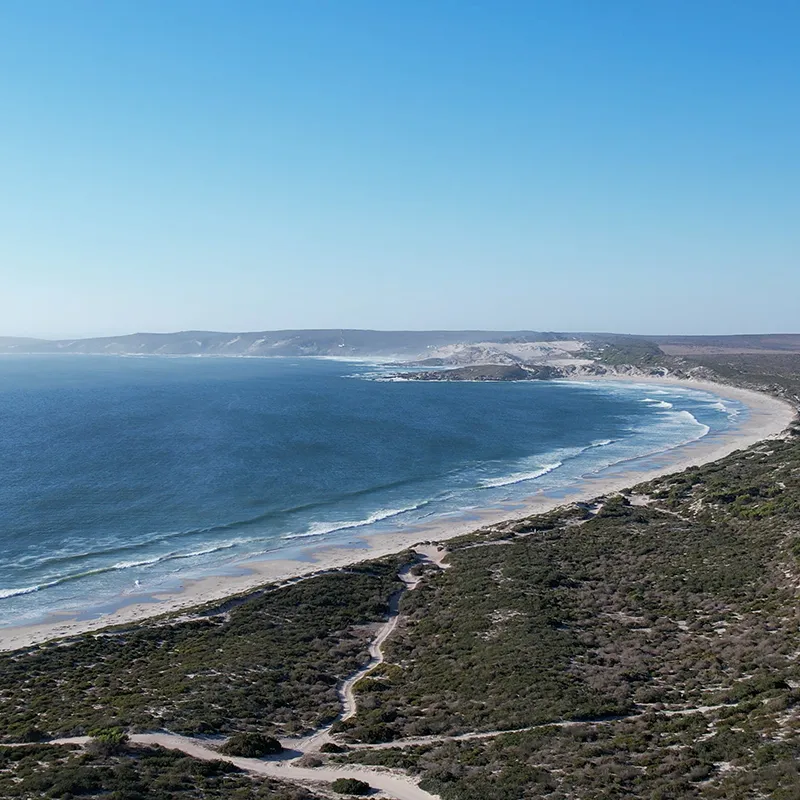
4, 593
174, 556
519, 477
321, 528
680, 418
657, 403
724, 409
558, 458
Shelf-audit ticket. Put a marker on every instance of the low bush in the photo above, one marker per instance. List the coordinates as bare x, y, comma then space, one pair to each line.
351, 786
332, 747
251, 745
61, 772
108, 741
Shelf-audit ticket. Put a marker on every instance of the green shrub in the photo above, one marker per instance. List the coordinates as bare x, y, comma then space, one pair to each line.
108, 741
351, 786
332, 747
251, 745
32, 735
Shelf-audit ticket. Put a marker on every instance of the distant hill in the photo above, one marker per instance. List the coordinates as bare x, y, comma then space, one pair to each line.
401, 344
394, 344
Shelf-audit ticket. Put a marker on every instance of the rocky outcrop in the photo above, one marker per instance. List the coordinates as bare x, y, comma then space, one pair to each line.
531, 372
484, 372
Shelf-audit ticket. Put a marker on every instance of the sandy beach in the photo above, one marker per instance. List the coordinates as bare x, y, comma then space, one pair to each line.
767, 417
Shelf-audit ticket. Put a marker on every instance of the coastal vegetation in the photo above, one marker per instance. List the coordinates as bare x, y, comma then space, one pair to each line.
652, 756
144, 773
675, 608
627, 351
351, 786
270, 662
251, 745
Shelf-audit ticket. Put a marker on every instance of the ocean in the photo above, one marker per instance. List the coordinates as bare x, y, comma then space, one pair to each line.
121, 477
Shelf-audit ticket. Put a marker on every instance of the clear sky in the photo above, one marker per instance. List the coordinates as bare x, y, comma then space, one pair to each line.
559, 165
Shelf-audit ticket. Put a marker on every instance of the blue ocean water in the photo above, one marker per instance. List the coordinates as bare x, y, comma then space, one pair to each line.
120, 477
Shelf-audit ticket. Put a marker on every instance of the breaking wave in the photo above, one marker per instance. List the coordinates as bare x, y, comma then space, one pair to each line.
657, 403
542, 469
519, 477
321, 528
724, 409
122, 565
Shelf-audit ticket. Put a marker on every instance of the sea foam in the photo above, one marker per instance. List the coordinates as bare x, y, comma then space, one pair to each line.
657, 403
520, 477
552, 462
321, 528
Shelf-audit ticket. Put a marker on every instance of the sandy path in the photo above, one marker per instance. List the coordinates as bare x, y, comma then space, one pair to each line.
392, 785
347, 691
395, 786
430, 554
421, 741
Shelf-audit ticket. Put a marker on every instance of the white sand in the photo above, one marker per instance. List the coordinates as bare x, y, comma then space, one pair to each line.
768, 417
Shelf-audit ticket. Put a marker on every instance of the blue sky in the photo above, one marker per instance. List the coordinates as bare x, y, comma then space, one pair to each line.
553, 165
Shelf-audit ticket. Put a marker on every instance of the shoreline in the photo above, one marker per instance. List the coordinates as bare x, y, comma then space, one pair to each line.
768, 417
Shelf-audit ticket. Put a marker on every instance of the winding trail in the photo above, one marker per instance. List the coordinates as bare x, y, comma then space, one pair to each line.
393, 785
347, 691
287, 766
430, 554
421, 741
425, 554
284, 767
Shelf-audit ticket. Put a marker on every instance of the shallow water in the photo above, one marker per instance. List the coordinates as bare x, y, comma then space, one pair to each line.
121, 476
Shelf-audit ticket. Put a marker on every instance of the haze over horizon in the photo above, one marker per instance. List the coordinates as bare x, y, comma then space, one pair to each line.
253, 166
640, 334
